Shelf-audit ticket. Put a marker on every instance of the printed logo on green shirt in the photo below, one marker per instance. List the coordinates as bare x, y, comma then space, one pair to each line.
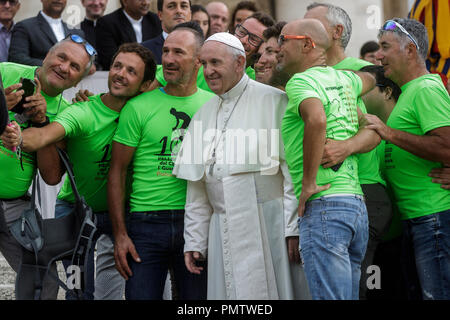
167, 156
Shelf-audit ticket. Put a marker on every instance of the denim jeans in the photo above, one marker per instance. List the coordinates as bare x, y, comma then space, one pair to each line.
430, 238
113, 280
158, 239
333, 241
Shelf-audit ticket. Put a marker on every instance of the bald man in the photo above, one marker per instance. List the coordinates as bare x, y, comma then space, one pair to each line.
219, 16
339, 28
333, 222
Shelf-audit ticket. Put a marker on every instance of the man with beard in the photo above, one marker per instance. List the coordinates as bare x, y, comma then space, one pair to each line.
150, 128
88, 129
339, 28
322, 104
250, 33
65, 65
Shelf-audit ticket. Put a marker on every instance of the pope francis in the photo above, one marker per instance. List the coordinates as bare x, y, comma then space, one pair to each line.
241, 210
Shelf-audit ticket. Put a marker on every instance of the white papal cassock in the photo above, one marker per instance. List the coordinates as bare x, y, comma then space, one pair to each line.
240, 202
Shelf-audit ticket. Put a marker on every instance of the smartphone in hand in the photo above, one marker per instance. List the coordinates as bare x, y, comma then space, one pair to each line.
28, 86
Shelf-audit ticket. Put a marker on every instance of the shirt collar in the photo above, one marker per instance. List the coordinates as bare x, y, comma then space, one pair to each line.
132, 21
3, 27
237, 89
51, 20
165, 35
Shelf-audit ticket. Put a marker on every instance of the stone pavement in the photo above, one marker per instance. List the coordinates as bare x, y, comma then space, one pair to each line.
7, 278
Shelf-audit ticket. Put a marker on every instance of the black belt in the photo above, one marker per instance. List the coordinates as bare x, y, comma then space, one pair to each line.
25, 197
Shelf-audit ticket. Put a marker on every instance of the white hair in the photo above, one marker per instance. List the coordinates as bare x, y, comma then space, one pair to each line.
91, 58
236, 53
336, 15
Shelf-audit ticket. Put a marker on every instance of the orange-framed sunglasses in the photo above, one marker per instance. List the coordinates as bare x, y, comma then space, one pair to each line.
283, 37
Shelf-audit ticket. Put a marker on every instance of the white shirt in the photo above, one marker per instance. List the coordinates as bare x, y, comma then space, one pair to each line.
56, 25
137, 26
165, 35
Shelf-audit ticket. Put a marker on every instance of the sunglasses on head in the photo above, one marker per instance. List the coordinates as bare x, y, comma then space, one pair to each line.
392, 25
77, 39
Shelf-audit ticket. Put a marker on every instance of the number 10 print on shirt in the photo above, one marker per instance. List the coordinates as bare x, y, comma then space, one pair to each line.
169, 148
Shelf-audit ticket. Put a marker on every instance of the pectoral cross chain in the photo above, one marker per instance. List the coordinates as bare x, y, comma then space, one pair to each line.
212, 162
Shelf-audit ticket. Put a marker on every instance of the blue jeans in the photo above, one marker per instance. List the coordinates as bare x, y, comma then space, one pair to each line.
333, 241
63, 208
158, 239
430, 239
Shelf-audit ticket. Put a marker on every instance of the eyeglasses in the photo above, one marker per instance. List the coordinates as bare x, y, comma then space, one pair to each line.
77, 39
11, 2
283, 37
253, 39
391, 25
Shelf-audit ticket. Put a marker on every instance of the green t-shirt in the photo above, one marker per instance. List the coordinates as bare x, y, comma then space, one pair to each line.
338, 91
201, 81
368, 163
90, 127
151, 123
18, 180
250, 72
424, 105
351, 63
395, 228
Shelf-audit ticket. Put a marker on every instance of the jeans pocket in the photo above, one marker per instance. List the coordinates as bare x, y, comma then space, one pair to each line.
337, 230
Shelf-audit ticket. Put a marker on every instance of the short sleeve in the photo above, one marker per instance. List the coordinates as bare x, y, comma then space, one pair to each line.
64, 104
299, 89
129, 128
432, 108
74, 119
160, 75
